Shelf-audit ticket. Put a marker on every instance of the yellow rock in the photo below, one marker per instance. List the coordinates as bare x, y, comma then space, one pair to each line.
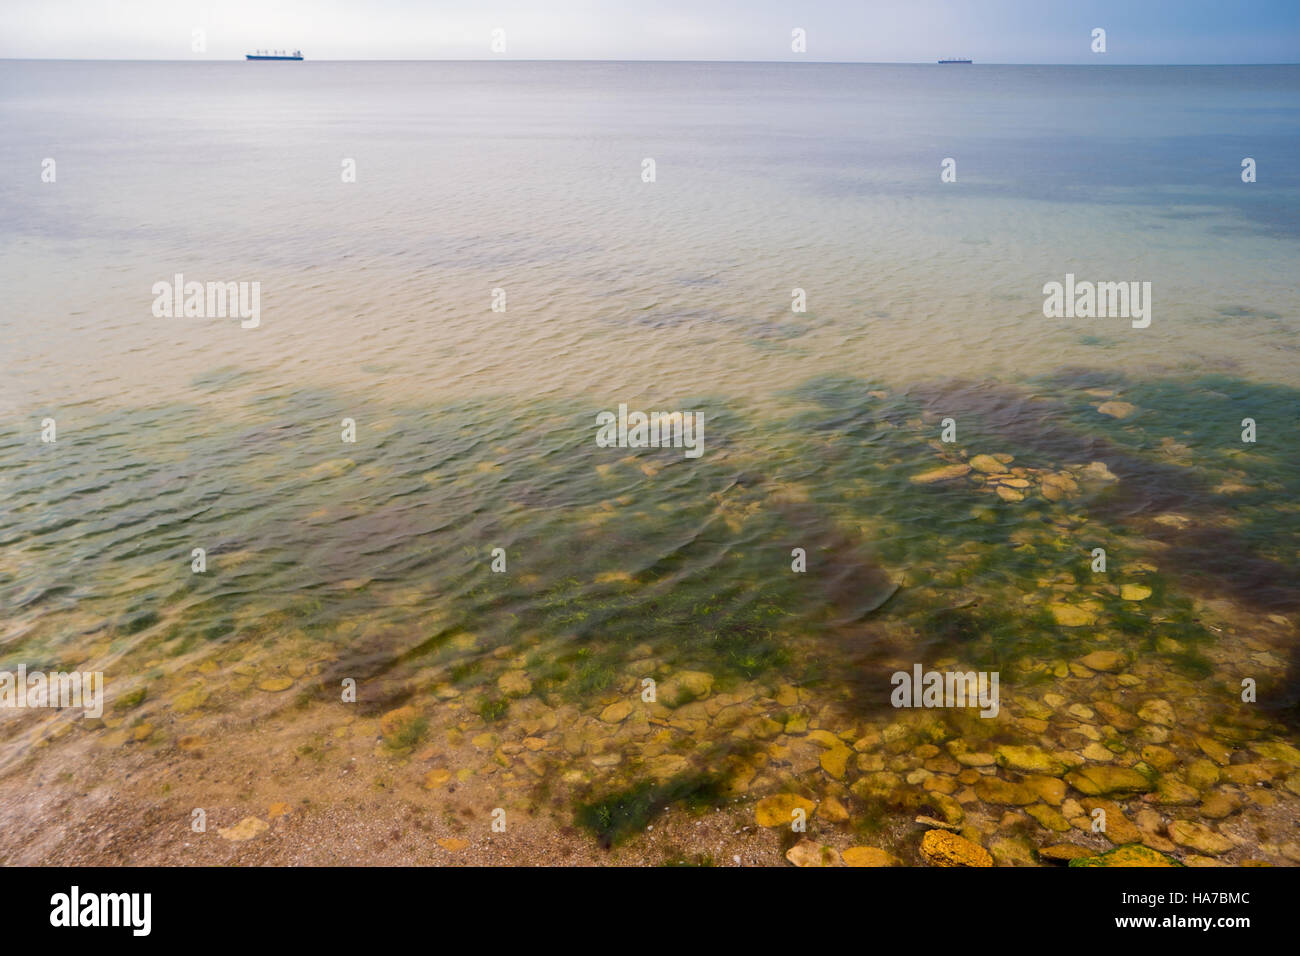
395, 720
1068, 615
835, 760
810, 853
1108, 661
947, 473
617, 712
778, 810
986, 464
278, 810
832, 810
275, 684
867, 856
245, 829
1134, 592
942, 848
436, 778
143, 731
514, 683
453, 844
1116, 409
189, 700
1010, 494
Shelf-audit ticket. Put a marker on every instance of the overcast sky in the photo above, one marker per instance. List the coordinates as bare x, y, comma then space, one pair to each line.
990, 31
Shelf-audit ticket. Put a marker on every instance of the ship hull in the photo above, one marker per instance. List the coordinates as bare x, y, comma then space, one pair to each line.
250, 56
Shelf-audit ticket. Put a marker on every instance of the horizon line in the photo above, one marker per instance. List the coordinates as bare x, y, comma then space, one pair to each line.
501, 59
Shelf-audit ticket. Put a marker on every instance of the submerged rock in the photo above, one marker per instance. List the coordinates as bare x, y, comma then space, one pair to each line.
1107, 661
1028, 759
245, 829
831, 809
1131, 855
994, 790
1218, 805
1101, 779
778, 810
514, 683
1117, 409
1048, 817
686, 686
868, 856
617, 712
1097, 471
399, 727
1070, 615
1064, 851
810, 853
941, 848
1199, 837
1159, 712
947, 473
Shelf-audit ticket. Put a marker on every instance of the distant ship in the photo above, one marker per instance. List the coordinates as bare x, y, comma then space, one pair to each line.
957, 59
274, 55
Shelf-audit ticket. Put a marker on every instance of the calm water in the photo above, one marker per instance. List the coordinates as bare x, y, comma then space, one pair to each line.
371, 560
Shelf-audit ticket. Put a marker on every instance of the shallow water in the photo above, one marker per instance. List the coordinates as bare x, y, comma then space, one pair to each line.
372, 561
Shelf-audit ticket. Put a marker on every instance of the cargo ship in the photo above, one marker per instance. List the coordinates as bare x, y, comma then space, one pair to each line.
274, 55
957, 59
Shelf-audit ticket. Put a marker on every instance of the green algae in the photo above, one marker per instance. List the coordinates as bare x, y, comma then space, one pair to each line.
617, 816
493, 709
1134, 854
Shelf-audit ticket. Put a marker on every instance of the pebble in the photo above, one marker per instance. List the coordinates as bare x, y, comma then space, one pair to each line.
810, 853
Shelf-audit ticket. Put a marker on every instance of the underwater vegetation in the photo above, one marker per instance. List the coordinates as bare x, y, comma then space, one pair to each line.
767, 590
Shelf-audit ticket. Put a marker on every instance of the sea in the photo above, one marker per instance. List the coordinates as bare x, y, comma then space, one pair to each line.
389, 475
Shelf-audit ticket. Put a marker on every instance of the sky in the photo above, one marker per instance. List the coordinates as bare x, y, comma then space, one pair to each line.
889, 31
